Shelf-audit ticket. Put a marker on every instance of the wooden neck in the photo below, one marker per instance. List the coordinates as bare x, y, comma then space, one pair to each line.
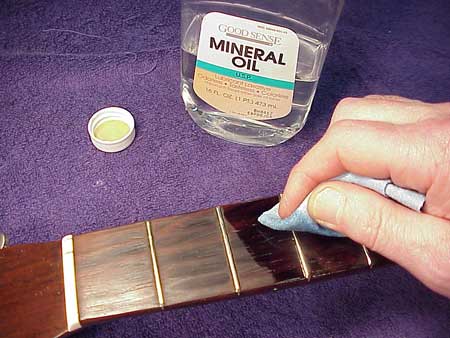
181, 260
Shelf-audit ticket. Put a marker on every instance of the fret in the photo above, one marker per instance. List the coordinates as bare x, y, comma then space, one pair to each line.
229, 253
376, 259
301, 256
327, 256
155, 266
368, 257
192, 259
70, 288
264, 258
114, 272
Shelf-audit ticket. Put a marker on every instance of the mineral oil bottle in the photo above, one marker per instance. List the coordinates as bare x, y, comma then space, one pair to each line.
250, 68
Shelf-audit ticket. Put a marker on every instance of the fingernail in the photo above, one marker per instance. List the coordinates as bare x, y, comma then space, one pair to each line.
325, 205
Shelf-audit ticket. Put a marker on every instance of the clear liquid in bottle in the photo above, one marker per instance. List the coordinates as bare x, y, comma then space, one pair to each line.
248, 129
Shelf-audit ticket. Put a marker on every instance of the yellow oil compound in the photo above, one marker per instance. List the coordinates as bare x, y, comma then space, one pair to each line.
111, 130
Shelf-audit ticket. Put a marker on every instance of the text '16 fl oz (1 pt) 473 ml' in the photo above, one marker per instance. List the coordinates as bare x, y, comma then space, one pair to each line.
250, 70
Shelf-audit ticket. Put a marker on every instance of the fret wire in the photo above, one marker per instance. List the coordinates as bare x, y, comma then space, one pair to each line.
156, 274
229, 253
303, 263
369, 259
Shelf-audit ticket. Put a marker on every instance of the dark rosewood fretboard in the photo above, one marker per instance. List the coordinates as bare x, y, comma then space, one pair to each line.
207, 255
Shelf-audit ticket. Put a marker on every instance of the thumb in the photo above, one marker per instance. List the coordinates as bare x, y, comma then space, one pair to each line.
418, 242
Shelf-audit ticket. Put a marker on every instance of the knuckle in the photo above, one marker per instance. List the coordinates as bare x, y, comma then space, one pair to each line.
343, 108
298, 172
340, 129
374, 225
346, 101
438, 263
374, 96
295, 170
350, 214
344, 214
443, 254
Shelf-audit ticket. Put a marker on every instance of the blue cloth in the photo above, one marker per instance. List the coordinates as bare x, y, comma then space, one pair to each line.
301, 221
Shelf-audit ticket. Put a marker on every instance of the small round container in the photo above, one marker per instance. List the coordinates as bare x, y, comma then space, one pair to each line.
112, 129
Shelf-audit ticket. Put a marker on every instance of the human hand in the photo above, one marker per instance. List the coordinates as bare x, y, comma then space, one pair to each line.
392, 137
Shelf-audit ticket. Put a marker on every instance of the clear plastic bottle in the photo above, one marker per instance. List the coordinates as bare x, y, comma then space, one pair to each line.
250, 69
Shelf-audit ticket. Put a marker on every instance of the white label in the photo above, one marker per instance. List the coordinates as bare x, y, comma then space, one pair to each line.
246, 67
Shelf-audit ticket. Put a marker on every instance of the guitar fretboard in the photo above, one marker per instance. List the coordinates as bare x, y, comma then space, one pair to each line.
207, 255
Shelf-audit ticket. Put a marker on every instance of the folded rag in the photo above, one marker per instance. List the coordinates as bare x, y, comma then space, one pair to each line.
301, 221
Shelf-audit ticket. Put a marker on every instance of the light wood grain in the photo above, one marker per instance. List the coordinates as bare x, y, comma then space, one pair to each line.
114, 273
191, 258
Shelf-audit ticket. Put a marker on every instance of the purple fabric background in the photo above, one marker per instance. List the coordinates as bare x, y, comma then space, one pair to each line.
54, 182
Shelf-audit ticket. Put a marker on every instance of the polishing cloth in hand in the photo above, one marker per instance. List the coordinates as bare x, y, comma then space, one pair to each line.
301, 221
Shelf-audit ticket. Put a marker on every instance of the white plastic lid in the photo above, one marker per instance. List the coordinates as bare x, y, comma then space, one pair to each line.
112, 129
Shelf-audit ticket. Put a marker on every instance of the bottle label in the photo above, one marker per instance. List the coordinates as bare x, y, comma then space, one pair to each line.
246, 67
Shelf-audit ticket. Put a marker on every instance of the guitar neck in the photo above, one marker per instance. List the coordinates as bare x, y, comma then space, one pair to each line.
187, 259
